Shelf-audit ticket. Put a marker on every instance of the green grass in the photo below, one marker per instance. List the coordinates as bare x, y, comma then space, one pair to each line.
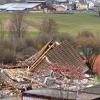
72, 23
97, 78
4, 16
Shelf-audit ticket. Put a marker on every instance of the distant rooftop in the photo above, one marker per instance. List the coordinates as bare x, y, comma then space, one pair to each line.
35, 1
18, 6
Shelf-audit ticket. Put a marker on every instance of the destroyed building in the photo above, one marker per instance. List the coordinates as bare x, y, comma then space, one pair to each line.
35, 71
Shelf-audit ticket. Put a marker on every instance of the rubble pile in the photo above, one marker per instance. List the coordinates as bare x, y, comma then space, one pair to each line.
35, 72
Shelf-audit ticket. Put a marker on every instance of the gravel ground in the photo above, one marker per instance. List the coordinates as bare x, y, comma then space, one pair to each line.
11, 98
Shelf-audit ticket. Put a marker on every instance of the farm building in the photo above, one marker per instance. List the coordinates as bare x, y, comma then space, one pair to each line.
82, 6
10, 1
60, 8
19, 6
97, 7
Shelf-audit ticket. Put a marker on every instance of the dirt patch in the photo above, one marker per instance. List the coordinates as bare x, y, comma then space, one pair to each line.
11, 98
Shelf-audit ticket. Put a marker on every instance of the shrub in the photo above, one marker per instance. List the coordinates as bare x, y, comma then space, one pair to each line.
7, 52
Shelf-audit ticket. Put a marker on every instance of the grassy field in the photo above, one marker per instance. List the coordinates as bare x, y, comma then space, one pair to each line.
67, 23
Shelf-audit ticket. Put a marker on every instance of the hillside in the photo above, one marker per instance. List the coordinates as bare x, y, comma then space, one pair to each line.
72, 24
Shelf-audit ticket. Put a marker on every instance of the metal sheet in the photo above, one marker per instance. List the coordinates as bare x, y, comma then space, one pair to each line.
18, 6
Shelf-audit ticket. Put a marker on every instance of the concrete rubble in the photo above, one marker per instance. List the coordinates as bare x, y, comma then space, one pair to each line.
36, 73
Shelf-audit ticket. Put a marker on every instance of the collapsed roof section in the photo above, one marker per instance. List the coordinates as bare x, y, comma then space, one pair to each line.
33, 59
53, 52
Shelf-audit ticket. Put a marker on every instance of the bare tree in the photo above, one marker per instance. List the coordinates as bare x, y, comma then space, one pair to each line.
17, 25
48, 5
49, 26
86, 44
1, 31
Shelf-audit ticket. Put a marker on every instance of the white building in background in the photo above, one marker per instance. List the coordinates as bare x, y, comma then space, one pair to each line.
96, 0
19, 6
